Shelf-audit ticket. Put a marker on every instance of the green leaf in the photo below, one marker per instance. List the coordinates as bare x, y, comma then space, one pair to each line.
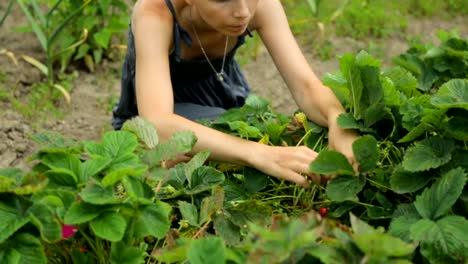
12, 221
203, 179
154, 220
211, 205
181, 142
144, 130
175, 254
257, 103
403, 181
428, 154
403, 218
344, 188
437, 200
338, 84
392, 96
110, 226
255, 180
62, 161
366, 153
92, 167
451, 94
383, 245
403, 81
360, 227
331, 162
44, 219
197, 161
116, 175
348, 121
13, 180
102, 38
81, 212
449, 235
225, 229
28, 247
114, 144
189, 213
207, 250
123, 254
94, 193
456, 125
62, 177
353, 78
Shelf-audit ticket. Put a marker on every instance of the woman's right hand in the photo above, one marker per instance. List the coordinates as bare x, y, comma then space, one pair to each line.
287, 163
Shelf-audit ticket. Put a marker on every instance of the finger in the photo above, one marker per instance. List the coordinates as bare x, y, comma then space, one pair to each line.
295, 177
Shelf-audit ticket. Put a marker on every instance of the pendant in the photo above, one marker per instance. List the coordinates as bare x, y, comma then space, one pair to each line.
219, 76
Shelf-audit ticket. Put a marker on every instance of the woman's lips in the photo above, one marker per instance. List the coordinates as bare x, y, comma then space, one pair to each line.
238, 28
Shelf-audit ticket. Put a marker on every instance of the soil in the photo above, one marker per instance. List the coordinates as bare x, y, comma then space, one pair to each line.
93, 94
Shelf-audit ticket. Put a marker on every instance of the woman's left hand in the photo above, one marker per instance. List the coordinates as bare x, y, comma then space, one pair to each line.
342, 140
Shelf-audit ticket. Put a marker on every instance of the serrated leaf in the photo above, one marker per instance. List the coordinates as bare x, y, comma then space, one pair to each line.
28, 247
457, 127
403, 218
255, 180
428, 154
435, 201
44, 219
344, 188
383, 245
224, 228
144, 130
206, 250
331, 162
196, 162
449, 235
92, 167
403, 181
81, 212
257, 103
403, 81
203, 179
347, 121
154, 220
95, 193
181, 142
109, 225
360, 227
114, 144
12, 221
189, 212
353, 78
121, 253
453, 93
366, 153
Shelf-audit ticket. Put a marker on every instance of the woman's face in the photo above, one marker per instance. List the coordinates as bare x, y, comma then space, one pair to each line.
230, 17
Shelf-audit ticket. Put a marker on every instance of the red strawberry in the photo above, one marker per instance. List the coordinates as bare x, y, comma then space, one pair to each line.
323, 211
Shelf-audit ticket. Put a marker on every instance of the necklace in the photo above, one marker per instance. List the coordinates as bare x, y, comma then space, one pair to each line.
220, 74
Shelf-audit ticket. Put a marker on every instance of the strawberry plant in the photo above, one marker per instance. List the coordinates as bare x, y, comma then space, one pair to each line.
117, 201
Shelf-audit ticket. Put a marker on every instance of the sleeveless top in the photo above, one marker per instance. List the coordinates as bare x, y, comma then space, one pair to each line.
195, 87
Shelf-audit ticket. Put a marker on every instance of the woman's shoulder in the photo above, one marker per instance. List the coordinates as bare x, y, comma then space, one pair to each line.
152, 10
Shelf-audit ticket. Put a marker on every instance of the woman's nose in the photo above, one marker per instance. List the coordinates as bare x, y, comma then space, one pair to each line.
242, 9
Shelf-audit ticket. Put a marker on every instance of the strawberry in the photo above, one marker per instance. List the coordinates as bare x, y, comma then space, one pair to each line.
323, 211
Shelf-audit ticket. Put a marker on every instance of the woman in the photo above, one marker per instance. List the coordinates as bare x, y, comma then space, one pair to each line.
180, 67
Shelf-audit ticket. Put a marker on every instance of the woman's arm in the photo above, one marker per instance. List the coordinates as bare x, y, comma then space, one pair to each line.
153, 39
317, 101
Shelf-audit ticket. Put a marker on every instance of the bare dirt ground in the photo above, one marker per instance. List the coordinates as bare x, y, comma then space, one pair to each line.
88, 115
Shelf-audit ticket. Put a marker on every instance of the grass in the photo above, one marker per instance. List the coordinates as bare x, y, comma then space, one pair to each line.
371, 20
